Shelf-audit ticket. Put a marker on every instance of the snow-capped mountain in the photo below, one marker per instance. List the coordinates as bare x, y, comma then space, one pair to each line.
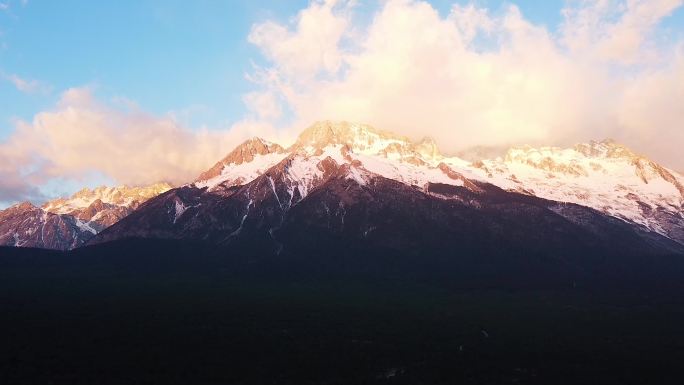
66, 223
603, 175
260, 186
343, 187
364, 148
25, 225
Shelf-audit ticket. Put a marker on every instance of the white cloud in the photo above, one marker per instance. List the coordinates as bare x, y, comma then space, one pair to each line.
468, 78
476, 78
650, 112
313, 46
614, 30
5, 6
471, 20
82, 135
264, 104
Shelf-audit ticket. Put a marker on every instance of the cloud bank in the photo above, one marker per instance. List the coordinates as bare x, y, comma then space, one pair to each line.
477, 77
471, 77
82, 136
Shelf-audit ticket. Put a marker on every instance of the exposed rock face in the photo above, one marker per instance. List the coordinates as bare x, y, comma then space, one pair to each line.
66, 223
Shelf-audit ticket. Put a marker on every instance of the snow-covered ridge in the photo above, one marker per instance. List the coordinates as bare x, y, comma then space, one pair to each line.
238, 174
597, 166
120, 196
366, 140
246, 162
369, 151
603, 175
363, 148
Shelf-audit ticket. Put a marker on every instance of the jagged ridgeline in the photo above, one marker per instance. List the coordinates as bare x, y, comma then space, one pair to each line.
347, 189
68, 223
352, 183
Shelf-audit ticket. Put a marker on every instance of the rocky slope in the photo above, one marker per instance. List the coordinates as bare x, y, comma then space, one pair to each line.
67, 223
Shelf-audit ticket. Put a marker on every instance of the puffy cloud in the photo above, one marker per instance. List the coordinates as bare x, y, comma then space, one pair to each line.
650, 112
614, 30
264, 104
82, 136
474, 77
469, 78
313, 46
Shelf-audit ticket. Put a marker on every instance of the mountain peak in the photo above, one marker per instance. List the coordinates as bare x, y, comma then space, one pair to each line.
366, 140
256, 141
120, 196
595, 149
428, 148
22, 206
606, 148
246, 152
358, 136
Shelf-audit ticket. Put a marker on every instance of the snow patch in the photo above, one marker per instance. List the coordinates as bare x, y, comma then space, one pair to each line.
270, 180
83, 226
180, 209
242, 221
407, 173
243, 173
356, 175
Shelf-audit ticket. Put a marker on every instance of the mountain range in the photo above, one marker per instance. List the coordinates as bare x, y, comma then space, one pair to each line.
345, 189
67, 223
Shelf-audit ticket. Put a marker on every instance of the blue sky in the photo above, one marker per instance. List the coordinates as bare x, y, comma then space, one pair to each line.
164, 55
185, 67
